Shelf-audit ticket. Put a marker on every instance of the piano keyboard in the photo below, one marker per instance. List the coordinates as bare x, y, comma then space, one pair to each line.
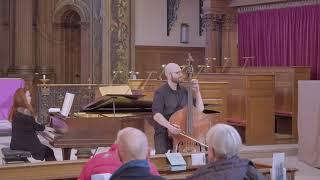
48, 135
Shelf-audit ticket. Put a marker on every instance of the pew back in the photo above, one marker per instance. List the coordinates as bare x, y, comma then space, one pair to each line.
286, 87
71, 169
250, 104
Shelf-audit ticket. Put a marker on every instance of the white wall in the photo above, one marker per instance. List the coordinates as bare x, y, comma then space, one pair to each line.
151, 23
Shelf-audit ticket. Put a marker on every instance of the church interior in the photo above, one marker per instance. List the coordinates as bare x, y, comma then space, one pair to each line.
257, 63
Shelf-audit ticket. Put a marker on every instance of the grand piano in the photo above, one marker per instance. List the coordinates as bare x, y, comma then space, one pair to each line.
97, 124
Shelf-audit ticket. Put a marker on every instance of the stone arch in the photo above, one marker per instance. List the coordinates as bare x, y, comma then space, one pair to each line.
76, 5
64, 12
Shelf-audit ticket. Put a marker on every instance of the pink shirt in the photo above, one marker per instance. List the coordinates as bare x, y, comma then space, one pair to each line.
107, 162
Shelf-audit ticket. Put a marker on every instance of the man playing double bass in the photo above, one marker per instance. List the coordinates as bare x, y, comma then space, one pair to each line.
168, 99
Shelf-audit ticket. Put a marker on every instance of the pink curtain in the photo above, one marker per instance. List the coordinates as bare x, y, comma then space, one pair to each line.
281, 37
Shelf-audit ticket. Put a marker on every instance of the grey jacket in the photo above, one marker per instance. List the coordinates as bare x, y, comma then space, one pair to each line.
232, 168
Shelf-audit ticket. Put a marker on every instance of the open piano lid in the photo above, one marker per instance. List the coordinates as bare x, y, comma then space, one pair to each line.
122, 102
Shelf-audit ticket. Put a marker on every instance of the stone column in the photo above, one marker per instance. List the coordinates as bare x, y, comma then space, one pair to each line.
106, 34
4, 36
211, 49
230, 39
23, 63
218, 42
45, 40
120, 41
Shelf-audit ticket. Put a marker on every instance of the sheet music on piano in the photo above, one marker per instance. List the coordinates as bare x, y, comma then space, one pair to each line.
67, 104
66, 107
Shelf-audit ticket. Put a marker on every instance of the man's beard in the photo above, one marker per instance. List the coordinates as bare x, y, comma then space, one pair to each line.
176, 80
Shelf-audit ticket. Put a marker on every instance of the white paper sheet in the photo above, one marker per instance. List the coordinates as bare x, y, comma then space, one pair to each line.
105, 176
175, 159
198, 159
278, 171
67, 104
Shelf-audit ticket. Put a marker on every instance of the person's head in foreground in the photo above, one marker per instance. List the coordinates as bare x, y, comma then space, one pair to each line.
132, 144
224, 164
224, 142
104, 164
133, 152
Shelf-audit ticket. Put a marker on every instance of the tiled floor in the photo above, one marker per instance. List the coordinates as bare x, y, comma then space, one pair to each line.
262, 154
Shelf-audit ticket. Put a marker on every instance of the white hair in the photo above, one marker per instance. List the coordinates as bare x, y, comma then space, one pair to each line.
224, 139
133, 143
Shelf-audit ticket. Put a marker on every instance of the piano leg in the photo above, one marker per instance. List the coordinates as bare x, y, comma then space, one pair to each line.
66, 153
84, 153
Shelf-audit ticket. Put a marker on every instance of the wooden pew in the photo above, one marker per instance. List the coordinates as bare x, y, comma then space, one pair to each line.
71, 169
164, 168
286, 93
43, 170
250, 105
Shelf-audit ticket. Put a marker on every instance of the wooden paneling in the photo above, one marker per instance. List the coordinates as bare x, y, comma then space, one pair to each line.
286, 87
250, 102
150, 58
42, 170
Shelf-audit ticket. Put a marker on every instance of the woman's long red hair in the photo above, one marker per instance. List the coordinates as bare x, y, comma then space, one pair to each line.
19, 100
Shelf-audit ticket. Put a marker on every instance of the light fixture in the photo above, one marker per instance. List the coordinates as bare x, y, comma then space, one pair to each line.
184, 33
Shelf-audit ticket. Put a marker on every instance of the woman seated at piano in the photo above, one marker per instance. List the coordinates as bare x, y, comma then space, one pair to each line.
24, 127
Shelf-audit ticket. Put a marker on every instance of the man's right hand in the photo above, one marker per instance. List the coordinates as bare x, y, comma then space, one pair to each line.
174, 129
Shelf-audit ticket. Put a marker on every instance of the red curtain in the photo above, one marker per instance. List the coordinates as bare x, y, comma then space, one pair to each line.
281, 37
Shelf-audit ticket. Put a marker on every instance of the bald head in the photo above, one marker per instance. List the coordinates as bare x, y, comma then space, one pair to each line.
171, 68
133, 144
173, 73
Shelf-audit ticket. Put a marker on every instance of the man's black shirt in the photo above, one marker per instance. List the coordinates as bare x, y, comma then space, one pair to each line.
167, 101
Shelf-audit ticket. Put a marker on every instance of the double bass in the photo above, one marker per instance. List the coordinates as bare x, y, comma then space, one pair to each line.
193, 123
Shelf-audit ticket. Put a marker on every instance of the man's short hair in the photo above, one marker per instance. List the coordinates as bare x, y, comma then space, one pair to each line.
224, 139
133, 142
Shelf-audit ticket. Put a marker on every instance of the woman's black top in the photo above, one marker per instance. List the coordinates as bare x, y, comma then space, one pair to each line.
24, 136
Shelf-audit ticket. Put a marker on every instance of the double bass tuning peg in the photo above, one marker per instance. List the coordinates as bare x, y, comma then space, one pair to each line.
189, 59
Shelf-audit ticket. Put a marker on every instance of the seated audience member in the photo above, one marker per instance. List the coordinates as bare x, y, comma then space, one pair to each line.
133, 152
224, 164
24, 127
106, 163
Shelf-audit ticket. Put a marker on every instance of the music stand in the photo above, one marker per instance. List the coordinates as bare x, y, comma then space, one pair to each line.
246, 62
